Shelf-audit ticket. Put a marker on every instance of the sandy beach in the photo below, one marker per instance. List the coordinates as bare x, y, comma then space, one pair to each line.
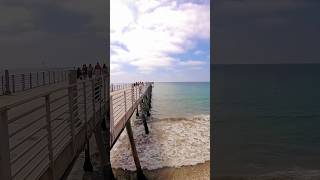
195, 172
199, 170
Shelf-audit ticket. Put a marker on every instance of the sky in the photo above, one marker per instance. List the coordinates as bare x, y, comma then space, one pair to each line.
48, 33
266, 31
159, 40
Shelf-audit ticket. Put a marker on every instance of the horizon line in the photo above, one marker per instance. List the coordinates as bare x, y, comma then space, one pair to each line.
167, 82
264, 63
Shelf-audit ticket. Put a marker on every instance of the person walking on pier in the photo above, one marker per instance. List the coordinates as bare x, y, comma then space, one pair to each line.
79, 73
90, 71
84, 71
97, 69
104, 70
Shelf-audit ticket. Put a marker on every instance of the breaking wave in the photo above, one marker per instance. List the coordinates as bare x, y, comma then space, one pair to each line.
172, 142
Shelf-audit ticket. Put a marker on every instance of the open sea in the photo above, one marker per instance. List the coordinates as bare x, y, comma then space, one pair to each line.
267, 120
179, 129
180, 99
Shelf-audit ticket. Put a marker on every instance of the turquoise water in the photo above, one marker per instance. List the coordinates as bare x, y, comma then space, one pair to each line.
179, 129
180, 99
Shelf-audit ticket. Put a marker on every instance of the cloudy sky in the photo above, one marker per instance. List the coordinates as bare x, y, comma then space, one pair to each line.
48, 33
266, 31
160, 40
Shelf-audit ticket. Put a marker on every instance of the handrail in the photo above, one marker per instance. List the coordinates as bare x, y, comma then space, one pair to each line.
122, 104
31, 130
12, 83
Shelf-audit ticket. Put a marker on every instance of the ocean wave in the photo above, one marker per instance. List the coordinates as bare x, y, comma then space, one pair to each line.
172, 142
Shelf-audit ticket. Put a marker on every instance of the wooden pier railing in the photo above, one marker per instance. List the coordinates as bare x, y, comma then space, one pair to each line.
12, 83
119, 86
124, 103
43, 131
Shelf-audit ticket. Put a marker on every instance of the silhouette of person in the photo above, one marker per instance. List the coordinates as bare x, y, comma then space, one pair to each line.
79, 73
90, 71
97, 69
84, 71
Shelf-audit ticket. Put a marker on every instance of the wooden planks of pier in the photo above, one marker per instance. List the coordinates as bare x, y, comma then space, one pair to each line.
44, 129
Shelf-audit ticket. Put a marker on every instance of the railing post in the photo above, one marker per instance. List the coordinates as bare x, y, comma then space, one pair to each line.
136, 93
37, 78
43, 78
104, 90
5, 170
72, 80
111, 119
7, 86
30, 80
2, 85
54, 77
70, 97
49, 131
93, 101
125, 105
49, 75
22, 82
132, 95
13, 83
87, 166
85, 103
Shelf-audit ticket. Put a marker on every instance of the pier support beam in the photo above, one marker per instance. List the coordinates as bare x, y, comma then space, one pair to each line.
104, 153
144, 120
87, 165
137, 113
140, 174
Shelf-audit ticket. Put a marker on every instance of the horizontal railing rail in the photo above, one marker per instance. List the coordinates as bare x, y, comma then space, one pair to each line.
17, 82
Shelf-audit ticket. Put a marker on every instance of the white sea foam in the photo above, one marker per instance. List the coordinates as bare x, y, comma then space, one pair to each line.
172, 142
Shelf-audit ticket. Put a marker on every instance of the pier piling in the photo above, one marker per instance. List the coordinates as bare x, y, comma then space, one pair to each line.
137, 113
140, 174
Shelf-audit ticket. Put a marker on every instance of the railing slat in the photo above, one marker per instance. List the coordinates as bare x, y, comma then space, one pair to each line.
49, 131
5, 170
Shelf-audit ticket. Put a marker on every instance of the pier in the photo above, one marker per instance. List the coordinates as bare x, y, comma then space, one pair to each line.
45, 126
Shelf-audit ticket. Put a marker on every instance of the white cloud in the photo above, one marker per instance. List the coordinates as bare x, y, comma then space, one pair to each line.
147, 33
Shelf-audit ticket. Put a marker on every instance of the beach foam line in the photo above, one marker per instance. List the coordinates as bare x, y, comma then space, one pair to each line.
172, 142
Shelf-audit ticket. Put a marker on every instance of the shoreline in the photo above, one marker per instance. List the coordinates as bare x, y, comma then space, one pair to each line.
199, 171
148, 146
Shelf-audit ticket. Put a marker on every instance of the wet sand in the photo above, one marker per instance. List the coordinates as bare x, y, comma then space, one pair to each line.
195, 172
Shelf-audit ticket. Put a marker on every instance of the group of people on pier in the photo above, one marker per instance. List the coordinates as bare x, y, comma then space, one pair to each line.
138, 83
84, 72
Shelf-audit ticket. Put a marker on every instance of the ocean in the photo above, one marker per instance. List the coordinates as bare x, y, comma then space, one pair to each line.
180, 99
266, 120
179, 129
